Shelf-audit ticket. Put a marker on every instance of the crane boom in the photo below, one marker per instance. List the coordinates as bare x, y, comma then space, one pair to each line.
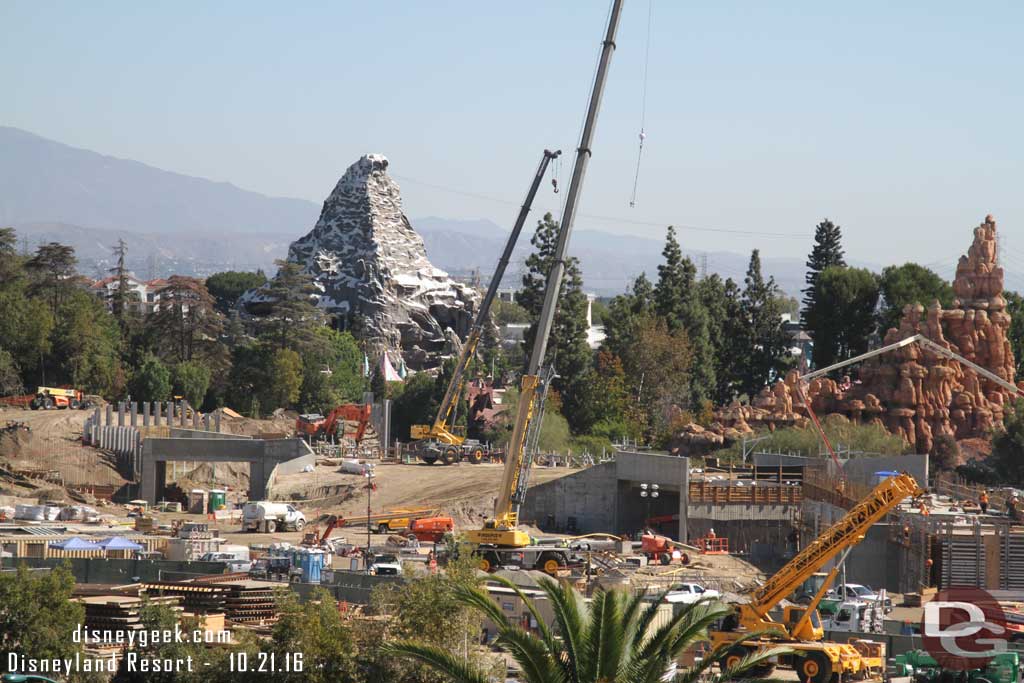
845, 533
440, 428
502, 529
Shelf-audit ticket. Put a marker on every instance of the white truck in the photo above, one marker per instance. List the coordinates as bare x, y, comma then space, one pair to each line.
270, 517
236, 557
689, 593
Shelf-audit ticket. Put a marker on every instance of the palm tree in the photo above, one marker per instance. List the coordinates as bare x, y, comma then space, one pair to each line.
609, 640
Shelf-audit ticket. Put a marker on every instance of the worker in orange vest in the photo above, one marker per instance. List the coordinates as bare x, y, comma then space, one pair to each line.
711, 534
983, 502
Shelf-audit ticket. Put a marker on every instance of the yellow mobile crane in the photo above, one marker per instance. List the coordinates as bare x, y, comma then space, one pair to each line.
438, 441
800, 628
500, 541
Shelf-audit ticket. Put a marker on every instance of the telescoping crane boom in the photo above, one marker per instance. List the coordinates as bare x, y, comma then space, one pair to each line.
800, 628
502, 531
438, 441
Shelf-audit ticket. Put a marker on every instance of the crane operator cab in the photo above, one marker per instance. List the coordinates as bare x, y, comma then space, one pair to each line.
811, 628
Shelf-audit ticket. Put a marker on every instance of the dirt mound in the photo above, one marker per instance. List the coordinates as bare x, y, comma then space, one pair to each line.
228, 475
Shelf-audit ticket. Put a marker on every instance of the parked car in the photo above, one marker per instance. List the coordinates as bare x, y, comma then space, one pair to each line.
856, 591
386, 565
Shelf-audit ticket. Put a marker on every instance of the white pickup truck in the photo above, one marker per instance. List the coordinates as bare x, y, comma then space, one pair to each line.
689, 593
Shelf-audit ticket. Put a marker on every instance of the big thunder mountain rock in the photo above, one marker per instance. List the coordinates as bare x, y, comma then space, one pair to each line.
913, 392
370, 268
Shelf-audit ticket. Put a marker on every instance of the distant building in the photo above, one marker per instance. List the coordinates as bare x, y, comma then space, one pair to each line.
144, 294
595, 333
507, 295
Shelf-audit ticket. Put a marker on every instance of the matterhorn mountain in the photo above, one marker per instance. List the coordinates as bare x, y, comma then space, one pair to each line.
369, 265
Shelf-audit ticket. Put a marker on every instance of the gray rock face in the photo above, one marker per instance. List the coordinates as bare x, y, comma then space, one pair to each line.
368, 262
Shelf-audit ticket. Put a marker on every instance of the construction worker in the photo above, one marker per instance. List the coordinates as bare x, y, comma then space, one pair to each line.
1013, 508
711, 533
983, 502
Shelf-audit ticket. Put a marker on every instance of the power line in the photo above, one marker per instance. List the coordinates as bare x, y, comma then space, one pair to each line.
614, 219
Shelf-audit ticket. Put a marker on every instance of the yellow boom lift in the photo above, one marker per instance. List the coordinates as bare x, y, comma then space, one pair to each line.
800, 629
439, 441
500, 539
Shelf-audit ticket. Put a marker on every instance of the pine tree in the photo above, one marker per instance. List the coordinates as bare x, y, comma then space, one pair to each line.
293, 317
567, 346
726, 330
827, 251
675, 281
120, 298
624, 313
53, 272
763, 316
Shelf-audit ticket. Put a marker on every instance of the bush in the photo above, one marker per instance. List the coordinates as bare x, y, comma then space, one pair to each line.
861, 438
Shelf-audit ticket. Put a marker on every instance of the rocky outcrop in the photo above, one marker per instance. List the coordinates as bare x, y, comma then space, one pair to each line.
913, 392
371, 269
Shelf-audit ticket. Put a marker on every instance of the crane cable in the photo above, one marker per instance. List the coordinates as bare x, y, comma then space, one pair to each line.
643, 104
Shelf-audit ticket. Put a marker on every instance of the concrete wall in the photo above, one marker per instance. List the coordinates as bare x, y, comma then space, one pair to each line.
860, 469
119, 572
607, 498
589, 496
180, 433
262, 456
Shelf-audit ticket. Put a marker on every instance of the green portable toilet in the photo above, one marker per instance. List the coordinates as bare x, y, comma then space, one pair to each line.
218, 499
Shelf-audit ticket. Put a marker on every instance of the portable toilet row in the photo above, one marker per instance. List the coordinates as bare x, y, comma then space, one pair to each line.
201, 501
311, 561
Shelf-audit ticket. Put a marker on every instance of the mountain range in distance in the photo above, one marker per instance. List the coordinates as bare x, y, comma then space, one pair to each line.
174, 223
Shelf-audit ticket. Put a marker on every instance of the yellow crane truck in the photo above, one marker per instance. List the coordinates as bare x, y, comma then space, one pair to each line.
815, 660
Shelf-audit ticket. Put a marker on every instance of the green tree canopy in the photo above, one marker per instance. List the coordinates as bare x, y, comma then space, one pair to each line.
292, 317
285, 379
151, 381
191, 380
1007, 457
417, 404
52, 270
332, 371
843, 318
1015, 307
87, 340
909, 284
228, 286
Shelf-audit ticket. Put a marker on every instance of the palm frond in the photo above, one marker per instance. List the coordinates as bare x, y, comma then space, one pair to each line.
604, 639
751, 661
565, 603
439, 660
545, 633
480, 600
538, 663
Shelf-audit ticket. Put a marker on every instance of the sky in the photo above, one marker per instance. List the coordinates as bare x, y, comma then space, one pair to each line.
899, 121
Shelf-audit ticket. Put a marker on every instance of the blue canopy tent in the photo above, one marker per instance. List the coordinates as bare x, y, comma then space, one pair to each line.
119, 543
75, 543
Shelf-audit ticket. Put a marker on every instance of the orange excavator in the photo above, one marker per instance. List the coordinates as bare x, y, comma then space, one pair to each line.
315, 426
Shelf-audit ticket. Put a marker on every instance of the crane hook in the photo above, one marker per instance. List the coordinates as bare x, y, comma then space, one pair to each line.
554, 184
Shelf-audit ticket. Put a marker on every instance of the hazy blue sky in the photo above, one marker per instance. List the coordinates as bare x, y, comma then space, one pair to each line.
901, 121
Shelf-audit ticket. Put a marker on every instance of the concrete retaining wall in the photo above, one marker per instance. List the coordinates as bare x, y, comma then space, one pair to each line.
861, 469
119, 572
589, 496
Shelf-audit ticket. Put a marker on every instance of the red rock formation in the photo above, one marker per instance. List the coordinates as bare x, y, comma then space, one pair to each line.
914, 392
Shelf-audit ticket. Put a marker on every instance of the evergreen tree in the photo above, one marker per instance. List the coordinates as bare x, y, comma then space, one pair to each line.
845, 319
676, 276
53, 272
293, 317
186, 326
567, 348
151, 381
624, 313
766, 354
123, 295
227, 286
827, 251
727, 331
1015, 335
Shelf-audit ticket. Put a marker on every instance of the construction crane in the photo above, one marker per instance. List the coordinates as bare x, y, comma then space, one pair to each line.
800, 629
438, 441
501, 534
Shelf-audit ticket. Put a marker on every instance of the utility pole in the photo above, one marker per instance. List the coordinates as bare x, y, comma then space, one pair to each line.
369, 493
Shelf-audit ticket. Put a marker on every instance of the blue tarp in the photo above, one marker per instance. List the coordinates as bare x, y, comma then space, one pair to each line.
75, 543
119, 543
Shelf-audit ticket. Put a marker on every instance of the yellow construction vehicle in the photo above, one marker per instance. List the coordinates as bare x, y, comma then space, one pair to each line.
500, 540
800, 628
442, 440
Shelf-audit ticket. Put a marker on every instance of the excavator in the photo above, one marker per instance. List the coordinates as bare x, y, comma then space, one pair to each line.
314, 426
815, 660
500, 541
442, 440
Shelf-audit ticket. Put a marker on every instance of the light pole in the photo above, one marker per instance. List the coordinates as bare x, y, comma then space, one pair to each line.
648, 492
369, 493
